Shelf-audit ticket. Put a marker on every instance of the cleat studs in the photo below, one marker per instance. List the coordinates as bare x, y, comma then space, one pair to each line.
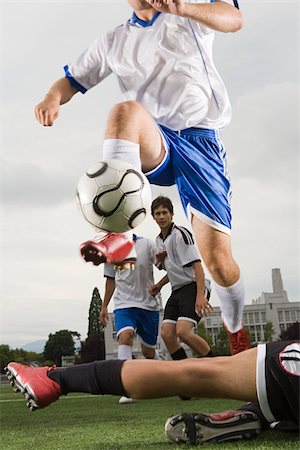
178, 440
196, 417
247, 435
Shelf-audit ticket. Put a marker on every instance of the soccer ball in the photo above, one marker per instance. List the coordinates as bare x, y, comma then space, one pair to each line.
113, 196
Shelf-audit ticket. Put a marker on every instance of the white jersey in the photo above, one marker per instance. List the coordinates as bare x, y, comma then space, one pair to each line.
181, 254
166, 65
132, 285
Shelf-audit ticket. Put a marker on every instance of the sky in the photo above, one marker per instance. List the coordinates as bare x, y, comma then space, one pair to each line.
44, 285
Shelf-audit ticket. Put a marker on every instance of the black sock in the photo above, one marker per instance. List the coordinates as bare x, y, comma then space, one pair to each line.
210, 354
179, 354
99, 377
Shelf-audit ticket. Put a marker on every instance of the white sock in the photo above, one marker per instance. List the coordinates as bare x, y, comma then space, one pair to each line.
124, 352
156, 356
232, 300
124, 150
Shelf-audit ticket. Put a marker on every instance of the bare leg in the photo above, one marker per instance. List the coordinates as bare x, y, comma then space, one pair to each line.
184, 330
223, 377
168, 334
215, 249
148, 352
130, 121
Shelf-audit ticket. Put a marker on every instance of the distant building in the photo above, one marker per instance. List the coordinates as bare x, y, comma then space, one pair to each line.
269, 307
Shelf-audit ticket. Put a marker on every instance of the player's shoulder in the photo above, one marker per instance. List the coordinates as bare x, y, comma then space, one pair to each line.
185, 234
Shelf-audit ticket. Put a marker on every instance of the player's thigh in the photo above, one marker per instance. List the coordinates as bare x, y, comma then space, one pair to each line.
168, 330
214, 245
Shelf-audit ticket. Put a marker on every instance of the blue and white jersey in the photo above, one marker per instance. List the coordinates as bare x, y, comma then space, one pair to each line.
181, 254
132, 285
166, 65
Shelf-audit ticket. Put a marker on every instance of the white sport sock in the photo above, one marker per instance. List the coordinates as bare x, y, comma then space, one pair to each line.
232, 300
124, 352
124, 150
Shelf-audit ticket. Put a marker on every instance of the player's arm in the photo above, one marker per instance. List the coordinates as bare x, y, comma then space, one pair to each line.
48, 110
219, 15
110, 286
156, 288
202, 306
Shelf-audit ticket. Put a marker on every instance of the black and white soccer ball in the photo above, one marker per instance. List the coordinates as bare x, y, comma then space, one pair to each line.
113, 196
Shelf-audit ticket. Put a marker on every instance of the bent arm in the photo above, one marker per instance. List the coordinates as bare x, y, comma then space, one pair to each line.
48, 110
219, 16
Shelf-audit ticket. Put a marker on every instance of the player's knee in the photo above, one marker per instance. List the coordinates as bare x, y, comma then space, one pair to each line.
126, 337
126, 110
219, 266
183, 334
167, 335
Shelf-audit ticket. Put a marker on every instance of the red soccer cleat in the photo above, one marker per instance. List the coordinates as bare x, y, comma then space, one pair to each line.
39, 390
198, 428
114, 248
238, 341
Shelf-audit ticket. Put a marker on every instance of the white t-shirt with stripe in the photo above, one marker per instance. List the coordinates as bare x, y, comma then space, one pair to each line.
181, 254
166, 65
132, 285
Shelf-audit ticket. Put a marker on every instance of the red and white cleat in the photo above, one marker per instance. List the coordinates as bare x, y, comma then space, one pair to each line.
198, 428
33, 382
238, 341
113, 248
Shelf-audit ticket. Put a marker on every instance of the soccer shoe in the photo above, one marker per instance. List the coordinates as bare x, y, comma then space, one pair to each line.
198, 428
125, 400
39, 390
113, 248
238, 341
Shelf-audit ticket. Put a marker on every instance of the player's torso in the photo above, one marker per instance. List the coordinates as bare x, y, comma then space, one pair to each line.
177, 274
132, 285
168, 67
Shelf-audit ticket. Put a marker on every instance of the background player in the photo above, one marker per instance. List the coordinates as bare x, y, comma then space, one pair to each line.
268, 374
135, 309
189, 298
168, 126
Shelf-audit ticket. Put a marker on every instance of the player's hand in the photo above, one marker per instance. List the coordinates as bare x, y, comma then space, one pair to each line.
103, 317
47, 111
168, 6
154, 290
202, 306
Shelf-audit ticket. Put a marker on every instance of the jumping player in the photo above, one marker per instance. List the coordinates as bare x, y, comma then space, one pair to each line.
190, 291
268, 374
135, 309
169, 124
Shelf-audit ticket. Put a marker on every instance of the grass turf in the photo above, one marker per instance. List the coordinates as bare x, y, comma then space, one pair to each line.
91, 423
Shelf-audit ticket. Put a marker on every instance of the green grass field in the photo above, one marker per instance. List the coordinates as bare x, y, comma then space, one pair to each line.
94, 422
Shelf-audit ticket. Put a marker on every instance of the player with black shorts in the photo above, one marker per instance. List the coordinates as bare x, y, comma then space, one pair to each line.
188, 302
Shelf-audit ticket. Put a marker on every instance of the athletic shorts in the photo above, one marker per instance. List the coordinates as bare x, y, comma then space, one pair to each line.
196, 162
145, 323
277, 380
181, 305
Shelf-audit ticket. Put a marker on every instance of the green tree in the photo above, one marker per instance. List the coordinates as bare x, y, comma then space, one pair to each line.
292, 332
269, 331
222, 344
93, 348
95, 307
60, 344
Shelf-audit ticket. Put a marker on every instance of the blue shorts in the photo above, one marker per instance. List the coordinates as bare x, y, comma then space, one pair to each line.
196, 162
145, 323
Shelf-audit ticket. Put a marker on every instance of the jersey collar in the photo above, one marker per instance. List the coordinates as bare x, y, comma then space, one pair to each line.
168, 233
135, 20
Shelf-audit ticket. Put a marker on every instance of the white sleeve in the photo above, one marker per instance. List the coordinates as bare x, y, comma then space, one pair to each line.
109, 271
186, 248
92, 65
